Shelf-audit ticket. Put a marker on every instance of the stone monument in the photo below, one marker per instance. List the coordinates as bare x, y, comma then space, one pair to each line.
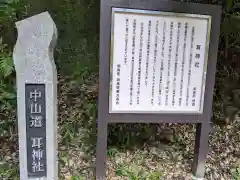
37, 97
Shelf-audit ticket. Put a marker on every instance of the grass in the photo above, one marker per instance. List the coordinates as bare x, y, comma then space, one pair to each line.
8, 171
136, 173
236, 174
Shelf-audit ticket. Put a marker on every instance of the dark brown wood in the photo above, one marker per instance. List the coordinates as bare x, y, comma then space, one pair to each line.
203, 129
202, 120
201, 149
101, 150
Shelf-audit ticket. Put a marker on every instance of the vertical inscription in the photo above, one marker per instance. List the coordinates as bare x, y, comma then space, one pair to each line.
148, 51
183, 64
176, 65
118, 84
162, 63
36, 130
133, 58
190, 65
169, 64
197, 63
140, 62
154, 61
197, 56
194, 91
126, 40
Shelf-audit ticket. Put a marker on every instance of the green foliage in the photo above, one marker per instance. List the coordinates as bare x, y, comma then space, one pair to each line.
8, 172
154, 176
136, 174
7, 87
77, 178
230, 27
236, 174
230, 64
10, 11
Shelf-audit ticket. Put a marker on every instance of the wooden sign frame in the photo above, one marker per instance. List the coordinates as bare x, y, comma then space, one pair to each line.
202, 120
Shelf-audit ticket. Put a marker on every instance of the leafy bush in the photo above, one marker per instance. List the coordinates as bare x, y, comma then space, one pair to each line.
227, 81
231, 26
7, 87
10, 12
236, 174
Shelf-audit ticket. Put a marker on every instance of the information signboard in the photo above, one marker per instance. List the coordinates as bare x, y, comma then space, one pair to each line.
157, 65
158, 61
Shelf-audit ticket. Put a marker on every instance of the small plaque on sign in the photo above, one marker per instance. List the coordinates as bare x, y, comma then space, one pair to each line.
36, 130
158, 61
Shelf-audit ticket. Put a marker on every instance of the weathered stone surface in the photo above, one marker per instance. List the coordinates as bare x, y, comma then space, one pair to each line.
34, 63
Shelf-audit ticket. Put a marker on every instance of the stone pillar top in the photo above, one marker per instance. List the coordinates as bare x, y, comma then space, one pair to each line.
33, 53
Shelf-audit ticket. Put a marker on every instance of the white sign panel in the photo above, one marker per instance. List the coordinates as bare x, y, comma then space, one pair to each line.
158, 61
